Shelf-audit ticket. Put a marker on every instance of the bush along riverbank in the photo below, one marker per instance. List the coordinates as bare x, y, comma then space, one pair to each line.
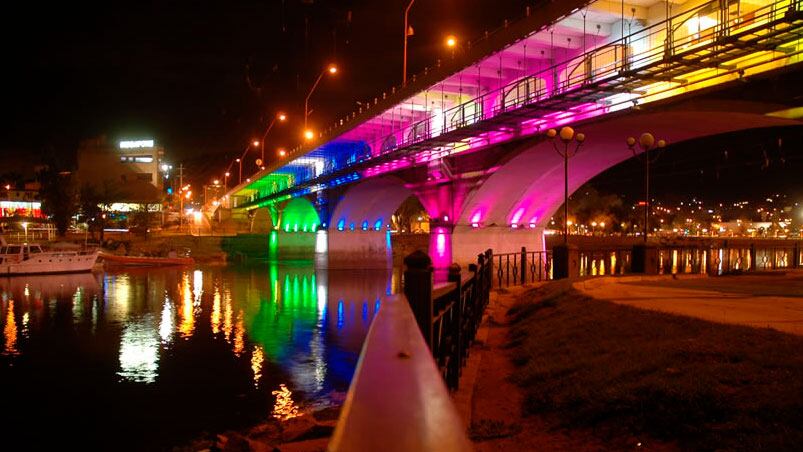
632, 377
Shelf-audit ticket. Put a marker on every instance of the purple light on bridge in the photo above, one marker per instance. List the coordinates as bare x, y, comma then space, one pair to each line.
440, 247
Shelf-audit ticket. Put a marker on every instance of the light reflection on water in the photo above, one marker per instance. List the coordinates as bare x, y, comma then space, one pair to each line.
225, 345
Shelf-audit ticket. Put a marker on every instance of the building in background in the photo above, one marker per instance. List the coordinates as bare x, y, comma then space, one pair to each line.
130, 173
25, 203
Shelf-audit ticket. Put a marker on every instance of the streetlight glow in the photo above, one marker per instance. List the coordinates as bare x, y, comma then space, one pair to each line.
309, 135
282, 152
255, 143
281, 117
451, 41
332, 69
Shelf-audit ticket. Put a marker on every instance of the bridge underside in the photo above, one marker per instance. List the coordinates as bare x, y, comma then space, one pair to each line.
470, 145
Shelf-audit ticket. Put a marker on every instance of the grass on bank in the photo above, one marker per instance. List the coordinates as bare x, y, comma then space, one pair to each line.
625, 372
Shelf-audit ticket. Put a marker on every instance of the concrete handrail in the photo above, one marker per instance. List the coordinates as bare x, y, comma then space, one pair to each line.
397, 400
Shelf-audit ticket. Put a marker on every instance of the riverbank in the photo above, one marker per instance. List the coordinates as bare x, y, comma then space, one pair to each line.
563, 371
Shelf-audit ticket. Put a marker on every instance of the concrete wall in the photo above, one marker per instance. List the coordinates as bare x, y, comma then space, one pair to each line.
295, 245
245, 246
358, 249
468, 242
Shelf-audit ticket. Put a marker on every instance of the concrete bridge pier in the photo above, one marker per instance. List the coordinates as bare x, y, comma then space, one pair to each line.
292, 245
359, 249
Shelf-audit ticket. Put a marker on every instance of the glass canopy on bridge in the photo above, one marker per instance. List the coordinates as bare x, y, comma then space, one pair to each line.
604, 57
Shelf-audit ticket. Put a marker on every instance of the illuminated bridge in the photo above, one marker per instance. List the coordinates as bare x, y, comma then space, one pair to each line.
467, 137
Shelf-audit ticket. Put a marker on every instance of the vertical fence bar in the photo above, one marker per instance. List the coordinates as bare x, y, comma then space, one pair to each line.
418, 290
456, 348
523, 265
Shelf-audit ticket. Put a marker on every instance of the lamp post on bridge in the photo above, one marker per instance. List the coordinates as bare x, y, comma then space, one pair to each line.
281, 117
566, 263
407, 32
332, 70
644, 258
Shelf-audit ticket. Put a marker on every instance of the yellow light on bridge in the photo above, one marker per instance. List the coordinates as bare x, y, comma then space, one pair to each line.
309, 134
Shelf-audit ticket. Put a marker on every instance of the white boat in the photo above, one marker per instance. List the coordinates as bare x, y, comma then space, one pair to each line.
31, 259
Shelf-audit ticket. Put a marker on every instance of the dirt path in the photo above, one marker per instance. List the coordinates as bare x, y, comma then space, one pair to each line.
495, 411
732, 299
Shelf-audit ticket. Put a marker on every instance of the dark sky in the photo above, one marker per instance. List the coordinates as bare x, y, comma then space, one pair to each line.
203, 77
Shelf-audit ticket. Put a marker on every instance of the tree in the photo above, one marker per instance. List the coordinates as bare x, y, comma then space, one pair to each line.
58, 196
96, 201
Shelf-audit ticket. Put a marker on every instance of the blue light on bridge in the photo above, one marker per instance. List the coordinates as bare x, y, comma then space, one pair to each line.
365, 225
341, 225
351, 227
378, 225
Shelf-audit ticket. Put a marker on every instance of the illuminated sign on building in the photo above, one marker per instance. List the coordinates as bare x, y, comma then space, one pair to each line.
20, 209
136, 144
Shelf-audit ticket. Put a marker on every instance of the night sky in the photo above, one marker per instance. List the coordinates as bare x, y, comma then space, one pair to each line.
203, 78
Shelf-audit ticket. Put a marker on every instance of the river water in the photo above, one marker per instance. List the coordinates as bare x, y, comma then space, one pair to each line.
147, 359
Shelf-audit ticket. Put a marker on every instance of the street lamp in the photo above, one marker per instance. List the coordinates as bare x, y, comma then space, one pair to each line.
281, 117
240, 179
226, 181
408, 31
332, 70
25, 227
309, 134
567, 136
282, 153
451, 43
646, 142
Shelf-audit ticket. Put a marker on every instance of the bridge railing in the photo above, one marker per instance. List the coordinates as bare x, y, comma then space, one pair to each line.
413, 354
397, 400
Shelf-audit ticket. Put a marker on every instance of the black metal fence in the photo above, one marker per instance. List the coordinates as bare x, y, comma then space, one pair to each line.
448, 314
524, 267
512, 269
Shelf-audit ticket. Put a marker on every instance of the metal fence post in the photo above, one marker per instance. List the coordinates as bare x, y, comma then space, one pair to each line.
456, 360
523, 265
418, 290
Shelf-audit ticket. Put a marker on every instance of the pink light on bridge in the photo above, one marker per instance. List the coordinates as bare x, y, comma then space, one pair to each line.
516, 217
440, 247
475, 219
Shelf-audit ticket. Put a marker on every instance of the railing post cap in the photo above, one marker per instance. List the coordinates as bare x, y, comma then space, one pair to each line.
454, 269
418, 260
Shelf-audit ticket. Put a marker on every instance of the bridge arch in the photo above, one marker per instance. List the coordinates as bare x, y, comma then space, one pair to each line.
299, 215
369, 205
527, 190
358, 234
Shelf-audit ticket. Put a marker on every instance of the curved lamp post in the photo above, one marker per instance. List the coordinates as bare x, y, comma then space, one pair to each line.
281, 117
567, 137
646, 142
332, 70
